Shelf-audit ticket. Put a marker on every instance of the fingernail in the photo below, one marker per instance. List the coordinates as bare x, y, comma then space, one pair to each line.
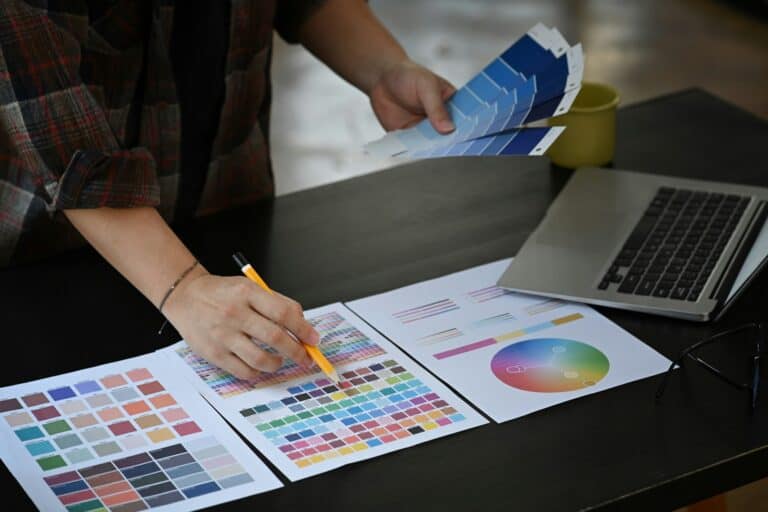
446, 125
314, 338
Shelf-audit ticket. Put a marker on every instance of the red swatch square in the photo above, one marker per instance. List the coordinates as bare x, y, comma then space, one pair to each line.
151, 387
46, 413
121, 427
187, 428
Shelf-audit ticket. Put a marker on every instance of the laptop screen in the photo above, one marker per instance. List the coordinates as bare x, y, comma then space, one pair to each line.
752, 263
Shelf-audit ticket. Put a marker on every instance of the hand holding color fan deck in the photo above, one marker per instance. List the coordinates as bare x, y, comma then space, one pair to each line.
536, 78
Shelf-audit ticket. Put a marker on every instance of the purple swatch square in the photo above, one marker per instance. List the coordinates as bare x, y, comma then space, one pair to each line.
88, 386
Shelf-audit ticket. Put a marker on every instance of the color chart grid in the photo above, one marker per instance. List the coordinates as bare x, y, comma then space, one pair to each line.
69, 425
372, 406
340, 341
150, 479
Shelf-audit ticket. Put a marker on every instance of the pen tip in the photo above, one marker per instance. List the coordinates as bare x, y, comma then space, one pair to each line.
334, 376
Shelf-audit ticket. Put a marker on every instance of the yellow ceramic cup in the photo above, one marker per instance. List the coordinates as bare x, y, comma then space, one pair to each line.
590, 134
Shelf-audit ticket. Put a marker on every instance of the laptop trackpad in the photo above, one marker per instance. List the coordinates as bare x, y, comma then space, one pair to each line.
591, 230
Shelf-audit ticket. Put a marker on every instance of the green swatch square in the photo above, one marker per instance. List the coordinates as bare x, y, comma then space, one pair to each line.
57, 427
86, 506
304, 415
53, 462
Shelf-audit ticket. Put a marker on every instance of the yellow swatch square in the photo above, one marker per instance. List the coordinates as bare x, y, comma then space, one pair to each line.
160, 435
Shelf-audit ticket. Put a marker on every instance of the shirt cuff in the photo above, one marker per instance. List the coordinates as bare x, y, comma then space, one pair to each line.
95, 179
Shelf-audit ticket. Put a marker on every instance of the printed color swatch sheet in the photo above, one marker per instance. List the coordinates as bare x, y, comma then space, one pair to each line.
306, 425
509, 354
124, 436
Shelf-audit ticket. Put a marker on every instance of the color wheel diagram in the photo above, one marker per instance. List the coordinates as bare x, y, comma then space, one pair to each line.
549, 365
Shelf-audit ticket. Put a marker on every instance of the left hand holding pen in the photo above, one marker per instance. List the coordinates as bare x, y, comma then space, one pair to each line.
406, 93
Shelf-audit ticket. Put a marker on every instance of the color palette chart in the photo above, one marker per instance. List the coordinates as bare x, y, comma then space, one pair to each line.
311, 425
510, 354
341, 343
537, 77
372, 406
60, 431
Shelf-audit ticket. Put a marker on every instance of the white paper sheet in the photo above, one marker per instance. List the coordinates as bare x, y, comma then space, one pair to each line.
508, 354
128, 434
306, 425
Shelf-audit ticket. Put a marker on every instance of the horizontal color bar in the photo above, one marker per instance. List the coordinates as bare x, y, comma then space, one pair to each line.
507, 336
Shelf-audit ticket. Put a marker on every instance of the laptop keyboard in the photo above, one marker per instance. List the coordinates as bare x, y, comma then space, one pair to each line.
676, 244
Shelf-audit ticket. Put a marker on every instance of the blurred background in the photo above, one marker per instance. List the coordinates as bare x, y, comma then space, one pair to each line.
645, 48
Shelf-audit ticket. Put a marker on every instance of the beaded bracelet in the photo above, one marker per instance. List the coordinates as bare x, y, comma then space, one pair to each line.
170, 291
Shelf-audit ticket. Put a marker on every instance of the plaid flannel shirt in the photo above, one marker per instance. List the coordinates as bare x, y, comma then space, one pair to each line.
89, 116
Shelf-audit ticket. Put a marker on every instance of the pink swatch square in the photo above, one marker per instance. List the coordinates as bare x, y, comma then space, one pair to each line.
174, 414
110, 413
139, 374
112, 381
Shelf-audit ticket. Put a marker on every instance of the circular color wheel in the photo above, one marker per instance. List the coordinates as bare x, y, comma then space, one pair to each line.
549, 365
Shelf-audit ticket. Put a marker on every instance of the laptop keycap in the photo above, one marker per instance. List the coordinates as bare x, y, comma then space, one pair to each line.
675, 245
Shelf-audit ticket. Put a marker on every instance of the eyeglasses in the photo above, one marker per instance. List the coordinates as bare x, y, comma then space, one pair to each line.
755, 330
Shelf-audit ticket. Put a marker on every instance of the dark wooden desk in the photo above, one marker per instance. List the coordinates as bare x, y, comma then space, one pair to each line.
614, 450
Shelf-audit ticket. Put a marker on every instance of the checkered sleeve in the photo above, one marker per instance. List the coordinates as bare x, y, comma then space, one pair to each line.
56, 129
291, 14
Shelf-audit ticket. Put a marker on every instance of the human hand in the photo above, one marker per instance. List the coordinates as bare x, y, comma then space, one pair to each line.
406, 92
219, 317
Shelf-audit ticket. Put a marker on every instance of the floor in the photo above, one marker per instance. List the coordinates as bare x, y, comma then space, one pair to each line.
320, 123
642, 48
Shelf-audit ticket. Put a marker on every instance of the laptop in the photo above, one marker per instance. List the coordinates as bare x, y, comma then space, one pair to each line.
644, 242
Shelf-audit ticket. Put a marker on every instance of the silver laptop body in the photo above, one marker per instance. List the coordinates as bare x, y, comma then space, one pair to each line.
587, 229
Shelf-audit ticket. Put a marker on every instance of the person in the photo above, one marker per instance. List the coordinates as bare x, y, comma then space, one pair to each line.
118, 117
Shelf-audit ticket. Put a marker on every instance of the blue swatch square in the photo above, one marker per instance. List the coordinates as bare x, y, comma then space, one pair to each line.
61, 393
40, 447
28, 433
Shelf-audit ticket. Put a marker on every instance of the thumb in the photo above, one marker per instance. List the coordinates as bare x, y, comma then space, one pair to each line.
431, 95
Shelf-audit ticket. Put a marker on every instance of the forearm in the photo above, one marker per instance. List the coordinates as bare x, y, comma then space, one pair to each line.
347, 36
138, 243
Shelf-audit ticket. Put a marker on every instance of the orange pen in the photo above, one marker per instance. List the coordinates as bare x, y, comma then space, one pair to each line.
314, 352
